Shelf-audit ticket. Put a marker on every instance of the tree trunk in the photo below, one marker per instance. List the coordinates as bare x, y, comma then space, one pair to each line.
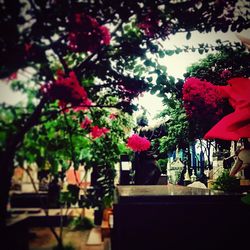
6, 171
7, 159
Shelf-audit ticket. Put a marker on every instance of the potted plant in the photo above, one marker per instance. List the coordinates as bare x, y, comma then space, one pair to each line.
226, 183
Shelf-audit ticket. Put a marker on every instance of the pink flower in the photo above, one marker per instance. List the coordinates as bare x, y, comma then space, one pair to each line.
138, 143
203, 101
84, 105
86, 122
97, 132
112, 116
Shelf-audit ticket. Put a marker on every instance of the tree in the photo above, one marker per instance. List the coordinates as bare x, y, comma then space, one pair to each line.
83, 52
232, 60
217, 69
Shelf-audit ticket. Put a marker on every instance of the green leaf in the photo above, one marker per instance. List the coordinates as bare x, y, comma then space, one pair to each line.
161, 54
163, 68
161, 79
154, 89
171, 80
149, 63
169, 52
126, 27
200, 51
150, 79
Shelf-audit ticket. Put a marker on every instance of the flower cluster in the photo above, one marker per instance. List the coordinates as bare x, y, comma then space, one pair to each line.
138, 143
97, 132
153, 27
202, 101
86, 122
86, 34
67, 89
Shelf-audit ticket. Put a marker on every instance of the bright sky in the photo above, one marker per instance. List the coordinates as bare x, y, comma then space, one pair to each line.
177, 64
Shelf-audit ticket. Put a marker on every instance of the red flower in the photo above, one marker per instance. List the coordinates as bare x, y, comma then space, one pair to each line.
86, 122
83, 106
63, 106
105, 35
138, 143
12, 76
97, 132
66, 89
203, 101
86, 34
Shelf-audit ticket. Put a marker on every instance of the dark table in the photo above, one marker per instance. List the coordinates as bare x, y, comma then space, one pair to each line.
175, 217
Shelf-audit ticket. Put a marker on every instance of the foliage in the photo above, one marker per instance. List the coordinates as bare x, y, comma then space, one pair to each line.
217, 68
176, 128
78, 223
50, 145
74, 59
226, 183
212, 68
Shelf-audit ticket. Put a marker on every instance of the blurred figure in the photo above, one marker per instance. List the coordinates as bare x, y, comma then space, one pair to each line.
243, 160
146, 170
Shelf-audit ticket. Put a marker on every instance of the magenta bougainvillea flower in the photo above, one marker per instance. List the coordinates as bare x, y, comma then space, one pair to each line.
86, 34
84, 105
86, 122
202, 96
203, 102
97, 132
67, 90
138, 143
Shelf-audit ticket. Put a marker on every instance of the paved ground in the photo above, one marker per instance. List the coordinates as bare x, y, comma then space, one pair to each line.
44, 240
